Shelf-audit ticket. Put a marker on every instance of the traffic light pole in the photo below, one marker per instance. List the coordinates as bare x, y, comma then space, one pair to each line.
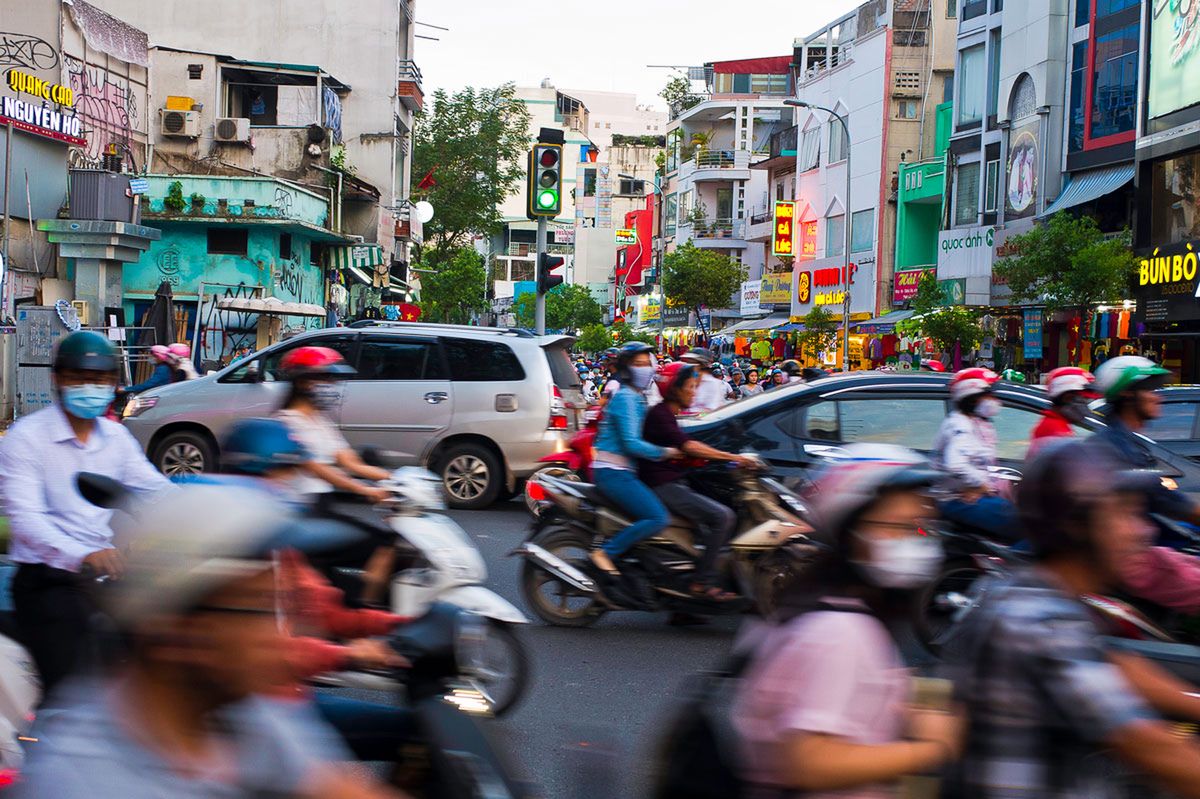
540, 308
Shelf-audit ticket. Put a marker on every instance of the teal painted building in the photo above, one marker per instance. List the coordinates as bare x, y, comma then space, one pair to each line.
919, 210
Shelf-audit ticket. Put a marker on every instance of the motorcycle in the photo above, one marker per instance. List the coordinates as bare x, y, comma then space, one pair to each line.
573, 464
453, 755
563, 587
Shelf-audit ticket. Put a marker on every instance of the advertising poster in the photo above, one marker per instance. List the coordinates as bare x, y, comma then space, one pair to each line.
1021, 188
1033, 333
907, 282
775, 289
1174, 32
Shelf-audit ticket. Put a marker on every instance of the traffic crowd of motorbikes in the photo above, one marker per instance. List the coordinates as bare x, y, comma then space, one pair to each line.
197, 638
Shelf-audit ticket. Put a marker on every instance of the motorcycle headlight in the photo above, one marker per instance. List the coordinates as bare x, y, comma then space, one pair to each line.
470, 643
138, 405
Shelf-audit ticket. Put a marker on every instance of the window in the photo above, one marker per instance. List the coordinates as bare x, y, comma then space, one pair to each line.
951, 9
389, 359
837, 141
971, 85
342, 344
1105, 8
1013, 427
779, 192
810, 150
997, 6
285, 246
974, 8
685, 206
1175, 199
1114, 98
481, 361
948, 88
994, 73
907, 109
741, 84
966, 195
835, 235
608, 126
1075, 113
911, 423
991, 187
768, 84
521, 270
631, 188
228, 241
1177, 422
821, 422
589, 183
724, 203
862, 230
1083, 12
670, 212
907, 81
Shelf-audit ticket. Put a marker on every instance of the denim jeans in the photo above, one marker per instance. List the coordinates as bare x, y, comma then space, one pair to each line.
372, 731
714, 522
638, 502
995, 516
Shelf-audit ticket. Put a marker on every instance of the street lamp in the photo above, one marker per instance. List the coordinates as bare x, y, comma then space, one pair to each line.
662, 296
848, 218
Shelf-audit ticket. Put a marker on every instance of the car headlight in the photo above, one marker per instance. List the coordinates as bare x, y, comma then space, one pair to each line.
138, 405
470, 643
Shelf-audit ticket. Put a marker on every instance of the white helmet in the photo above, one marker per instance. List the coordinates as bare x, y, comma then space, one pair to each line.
969, 382
1066, 379
1127, 372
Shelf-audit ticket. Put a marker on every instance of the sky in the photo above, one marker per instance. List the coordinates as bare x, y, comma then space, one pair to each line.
603, 45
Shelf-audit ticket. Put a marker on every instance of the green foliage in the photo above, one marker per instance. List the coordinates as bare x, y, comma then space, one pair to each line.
648, 140
174, 199
568, 307
1068, 263
337, 160
624, 333
693, 277
594, 339
197, 198
820, 331
456, 289
678, 94
945, 325
475, 141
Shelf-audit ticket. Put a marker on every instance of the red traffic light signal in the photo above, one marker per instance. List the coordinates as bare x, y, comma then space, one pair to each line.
546, 265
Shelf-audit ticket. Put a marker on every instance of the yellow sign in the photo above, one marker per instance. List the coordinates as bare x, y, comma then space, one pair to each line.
626, 236
1167, 268
829, 298
803, 287
776, 289
56, 93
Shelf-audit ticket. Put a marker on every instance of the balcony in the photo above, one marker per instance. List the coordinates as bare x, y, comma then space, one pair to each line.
717, 165
408, 87
760, 224
784, 143
719, 233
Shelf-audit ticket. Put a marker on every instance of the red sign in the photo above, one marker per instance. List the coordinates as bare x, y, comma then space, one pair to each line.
783, 240
833, 275
906, 284
808, 239
409, 312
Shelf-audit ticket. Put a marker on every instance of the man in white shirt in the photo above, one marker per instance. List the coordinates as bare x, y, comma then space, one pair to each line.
56, 533
712, 392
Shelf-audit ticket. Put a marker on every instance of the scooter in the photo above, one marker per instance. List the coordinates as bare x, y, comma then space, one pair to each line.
562, 586
573, 464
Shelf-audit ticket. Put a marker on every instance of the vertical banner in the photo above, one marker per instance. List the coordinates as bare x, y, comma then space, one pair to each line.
1033, 333
784, 238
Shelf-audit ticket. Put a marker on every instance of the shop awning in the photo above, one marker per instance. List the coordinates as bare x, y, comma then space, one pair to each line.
883, 324
1091, 185
272, 306
360, 256
767, 323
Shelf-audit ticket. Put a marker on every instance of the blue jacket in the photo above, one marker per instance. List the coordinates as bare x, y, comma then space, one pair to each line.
1124, 446
620, 430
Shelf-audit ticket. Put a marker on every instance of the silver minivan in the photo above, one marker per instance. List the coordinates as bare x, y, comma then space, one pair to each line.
478, 406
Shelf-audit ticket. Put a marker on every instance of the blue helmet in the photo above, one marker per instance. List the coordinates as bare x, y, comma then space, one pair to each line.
255, 446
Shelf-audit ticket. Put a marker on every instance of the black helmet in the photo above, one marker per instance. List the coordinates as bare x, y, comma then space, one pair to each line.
85, 350
701, 356
610, 354
791, 368
811, 373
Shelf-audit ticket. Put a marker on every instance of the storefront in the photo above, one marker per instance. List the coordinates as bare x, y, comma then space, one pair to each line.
1167, 320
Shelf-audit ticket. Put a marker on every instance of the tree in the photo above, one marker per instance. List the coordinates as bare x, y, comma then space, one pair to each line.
820, 332
472, 144
946, 325
624, 334
456, 289
568, 307
594, 339
1068, 263
678, 94
695, 277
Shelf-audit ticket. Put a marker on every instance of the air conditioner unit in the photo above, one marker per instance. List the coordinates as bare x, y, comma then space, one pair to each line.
184, 124
232, 129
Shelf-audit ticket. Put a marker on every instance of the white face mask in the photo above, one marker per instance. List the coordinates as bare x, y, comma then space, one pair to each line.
988, 407
640, 377
908, 562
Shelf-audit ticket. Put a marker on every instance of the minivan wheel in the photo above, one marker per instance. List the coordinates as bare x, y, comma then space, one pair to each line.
471, 476
184, 453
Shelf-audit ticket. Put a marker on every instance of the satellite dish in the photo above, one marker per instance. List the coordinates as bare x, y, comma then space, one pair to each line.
424, 211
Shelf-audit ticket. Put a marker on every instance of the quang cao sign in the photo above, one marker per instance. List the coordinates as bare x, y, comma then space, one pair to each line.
808, 239
1167, 285
751, 297
41, 120
783, 239
24, 83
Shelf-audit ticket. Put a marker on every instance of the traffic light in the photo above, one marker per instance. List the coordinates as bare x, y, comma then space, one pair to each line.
544, 187
546, 266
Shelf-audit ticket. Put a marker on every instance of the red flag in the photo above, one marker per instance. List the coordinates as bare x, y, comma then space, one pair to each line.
428, 181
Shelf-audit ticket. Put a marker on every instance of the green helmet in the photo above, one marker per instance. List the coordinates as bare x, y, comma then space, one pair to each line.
85, 350
1012, 376
1127, 373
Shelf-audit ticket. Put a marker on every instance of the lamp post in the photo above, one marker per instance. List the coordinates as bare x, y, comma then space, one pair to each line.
848, 218
662, 297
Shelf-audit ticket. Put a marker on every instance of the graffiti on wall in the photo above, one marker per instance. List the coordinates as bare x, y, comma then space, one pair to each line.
108, 105
27, 52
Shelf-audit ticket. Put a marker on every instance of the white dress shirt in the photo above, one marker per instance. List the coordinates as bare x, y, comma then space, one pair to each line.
712, 393
51, 522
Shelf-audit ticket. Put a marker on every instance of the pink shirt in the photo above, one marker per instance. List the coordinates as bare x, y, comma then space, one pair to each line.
829, 672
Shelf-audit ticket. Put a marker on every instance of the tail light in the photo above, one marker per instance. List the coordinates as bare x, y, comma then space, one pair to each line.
535, 491
558, 410
9, 777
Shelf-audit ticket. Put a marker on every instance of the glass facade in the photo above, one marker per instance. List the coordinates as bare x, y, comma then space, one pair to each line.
966, 195
862, 230
1114, 96
972, 77
1175, 199
1075, 115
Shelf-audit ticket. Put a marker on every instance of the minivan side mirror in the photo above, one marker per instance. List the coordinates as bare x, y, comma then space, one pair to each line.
253, 373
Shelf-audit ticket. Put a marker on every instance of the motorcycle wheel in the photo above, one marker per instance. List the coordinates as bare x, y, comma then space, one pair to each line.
504, 676
561, 472
552, 600
940, 601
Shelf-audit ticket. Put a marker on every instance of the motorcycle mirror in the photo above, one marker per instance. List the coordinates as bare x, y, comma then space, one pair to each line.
101, 491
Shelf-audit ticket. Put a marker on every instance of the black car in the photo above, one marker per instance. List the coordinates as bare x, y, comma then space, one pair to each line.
794, 426
1178, 429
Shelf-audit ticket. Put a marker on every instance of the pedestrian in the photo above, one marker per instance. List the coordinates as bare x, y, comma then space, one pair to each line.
752, 385
778, 379
737, 380
824, 706
713, 392
59, 540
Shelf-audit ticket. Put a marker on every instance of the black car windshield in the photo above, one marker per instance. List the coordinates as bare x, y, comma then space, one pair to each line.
747, 404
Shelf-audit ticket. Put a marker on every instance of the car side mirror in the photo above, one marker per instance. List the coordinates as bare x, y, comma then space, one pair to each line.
253, 373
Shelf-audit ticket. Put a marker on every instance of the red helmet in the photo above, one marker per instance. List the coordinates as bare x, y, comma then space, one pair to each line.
969, 382
1069, 378
672, 375
314, 362
933, 366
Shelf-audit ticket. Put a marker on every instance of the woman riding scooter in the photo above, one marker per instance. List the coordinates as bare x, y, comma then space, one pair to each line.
1068, 389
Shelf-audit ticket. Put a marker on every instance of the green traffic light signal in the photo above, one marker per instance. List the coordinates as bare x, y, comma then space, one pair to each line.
547, 199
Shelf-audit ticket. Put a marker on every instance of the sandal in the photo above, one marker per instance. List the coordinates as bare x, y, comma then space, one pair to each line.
712, 592
603, 562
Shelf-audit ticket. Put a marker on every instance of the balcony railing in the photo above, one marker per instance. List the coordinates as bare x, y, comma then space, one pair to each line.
784, 142
717, 229
408, 86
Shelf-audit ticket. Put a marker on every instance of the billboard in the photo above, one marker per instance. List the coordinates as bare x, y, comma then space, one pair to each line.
1174, 35
783, 240
1021, 190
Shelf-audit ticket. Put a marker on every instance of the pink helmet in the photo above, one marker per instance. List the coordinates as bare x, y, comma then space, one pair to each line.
969, 382
180, 350
160, 353
1069, 378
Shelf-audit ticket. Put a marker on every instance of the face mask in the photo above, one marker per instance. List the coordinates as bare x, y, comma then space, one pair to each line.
908, 562
640, 377
87, 401
324, 396
988, 407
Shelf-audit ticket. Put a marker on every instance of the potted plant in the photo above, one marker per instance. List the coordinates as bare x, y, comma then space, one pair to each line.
697, 216
198, 201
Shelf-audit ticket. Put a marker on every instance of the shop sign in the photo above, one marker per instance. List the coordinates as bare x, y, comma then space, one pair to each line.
648, 308
808, 239
1167, 285
837, 297
24, 83
564, 235
966, 252
775, 289
783, 240
41, 120
954, 291
676, 316
1174, 35
803, 286
750, 297
907, 282
626, 236
1033, 332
